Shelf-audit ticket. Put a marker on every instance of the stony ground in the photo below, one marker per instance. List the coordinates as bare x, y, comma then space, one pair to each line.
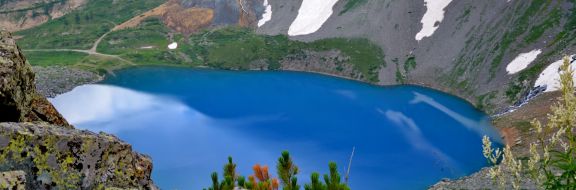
51, 81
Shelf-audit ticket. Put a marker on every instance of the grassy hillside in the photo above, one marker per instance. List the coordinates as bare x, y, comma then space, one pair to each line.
81, 28
225, 48
236, 48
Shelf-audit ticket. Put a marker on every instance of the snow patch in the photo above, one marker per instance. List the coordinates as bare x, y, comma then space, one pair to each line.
311, 16
267, 16
551, 76
434, 14
173, 45
522, 61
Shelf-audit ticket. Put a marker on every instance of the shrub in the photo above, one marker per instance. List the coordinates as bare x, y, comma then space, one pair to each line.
552, 161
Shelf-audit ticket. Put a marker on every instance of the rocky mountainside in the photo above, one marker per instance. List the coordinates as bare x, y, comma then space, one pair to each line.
490, 52
40, 150
464, 47
17, 15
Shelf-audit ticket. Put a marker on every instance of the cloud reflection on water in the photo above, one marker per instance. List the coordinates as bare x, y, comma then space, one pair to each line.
414, 136
103, 108
479, 127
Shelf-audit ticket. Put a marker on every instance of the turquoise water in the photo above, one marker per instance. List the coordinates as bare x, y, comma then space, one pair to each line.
191, 120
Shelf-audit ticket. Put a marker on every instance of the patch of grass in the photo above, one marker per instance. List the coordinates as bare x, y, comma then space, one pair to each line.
400, 78
65, 58
150, 33
523, 125
145, 44
483, 101
236, 48
351, 4
513, 92
364, 55
550, 21
410, 64
81, 28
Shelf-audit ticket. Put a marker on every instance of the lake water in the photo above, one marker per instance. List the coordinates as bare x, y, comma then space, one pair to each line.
191, 120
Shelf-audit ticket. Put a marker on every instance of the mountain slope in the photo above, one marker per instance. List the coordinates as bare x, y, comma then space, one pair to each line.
463, 47
467, 54
17, 15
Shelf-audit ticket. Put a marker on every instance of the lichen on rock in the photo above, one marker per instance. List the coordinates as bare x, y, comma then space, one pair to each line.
56, 157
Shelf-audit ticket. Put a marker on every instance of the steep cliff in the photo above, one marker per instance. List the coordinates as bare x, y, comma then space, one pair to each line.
36, 142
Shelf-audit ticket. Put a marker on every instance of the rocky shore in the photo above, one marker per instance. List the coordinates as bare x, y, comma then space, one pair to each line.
51, 81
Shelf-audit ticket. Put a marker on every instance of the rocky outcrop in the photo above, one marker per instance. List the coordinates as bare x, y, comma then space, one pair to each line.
40, 150
331, 62
19, 101
56, 157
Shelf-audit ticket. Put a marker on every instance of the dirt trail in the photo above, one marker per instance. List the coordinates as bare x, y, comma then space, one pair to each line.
133, 22
89, 52
95, 45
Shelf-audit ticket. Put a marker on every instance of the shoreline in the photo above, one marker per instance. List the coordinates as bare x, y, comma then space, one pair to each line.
64, 84
68, 78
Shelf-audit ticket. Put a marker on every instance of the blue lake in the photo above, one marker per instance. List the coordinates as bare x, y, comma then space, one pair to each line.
191, 120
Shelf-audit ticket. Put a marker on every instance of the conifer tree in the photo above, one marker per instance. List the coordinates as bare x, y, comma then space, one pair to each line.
315, 183
287, 171
333, 179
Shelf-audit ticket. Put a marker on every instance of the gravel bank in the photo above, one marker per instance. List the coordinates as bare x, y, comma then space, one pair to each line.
51, 81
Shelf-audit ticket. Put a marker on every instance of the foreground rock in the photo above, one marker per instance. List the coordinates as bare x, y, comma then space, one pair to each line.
19, 101
40, 150
52, 156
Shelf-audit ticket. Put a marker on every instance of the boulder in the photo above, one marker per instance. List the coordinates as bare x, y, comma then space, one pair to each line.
19, 101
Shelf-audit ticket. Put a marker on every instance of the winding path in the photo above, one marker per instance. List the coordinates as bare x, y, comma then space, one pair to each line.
91, 51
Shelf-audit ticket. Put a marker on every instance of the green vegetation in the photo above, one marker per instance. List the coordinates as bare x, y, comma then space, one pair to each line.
365, 56
81, 28
227, 48
552, 160
237, 48
145, 44
520, 26
45, 6
351, 4
550, 21
483, 101
410, 64
287, 170
45, 58
513, 91
400, 78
